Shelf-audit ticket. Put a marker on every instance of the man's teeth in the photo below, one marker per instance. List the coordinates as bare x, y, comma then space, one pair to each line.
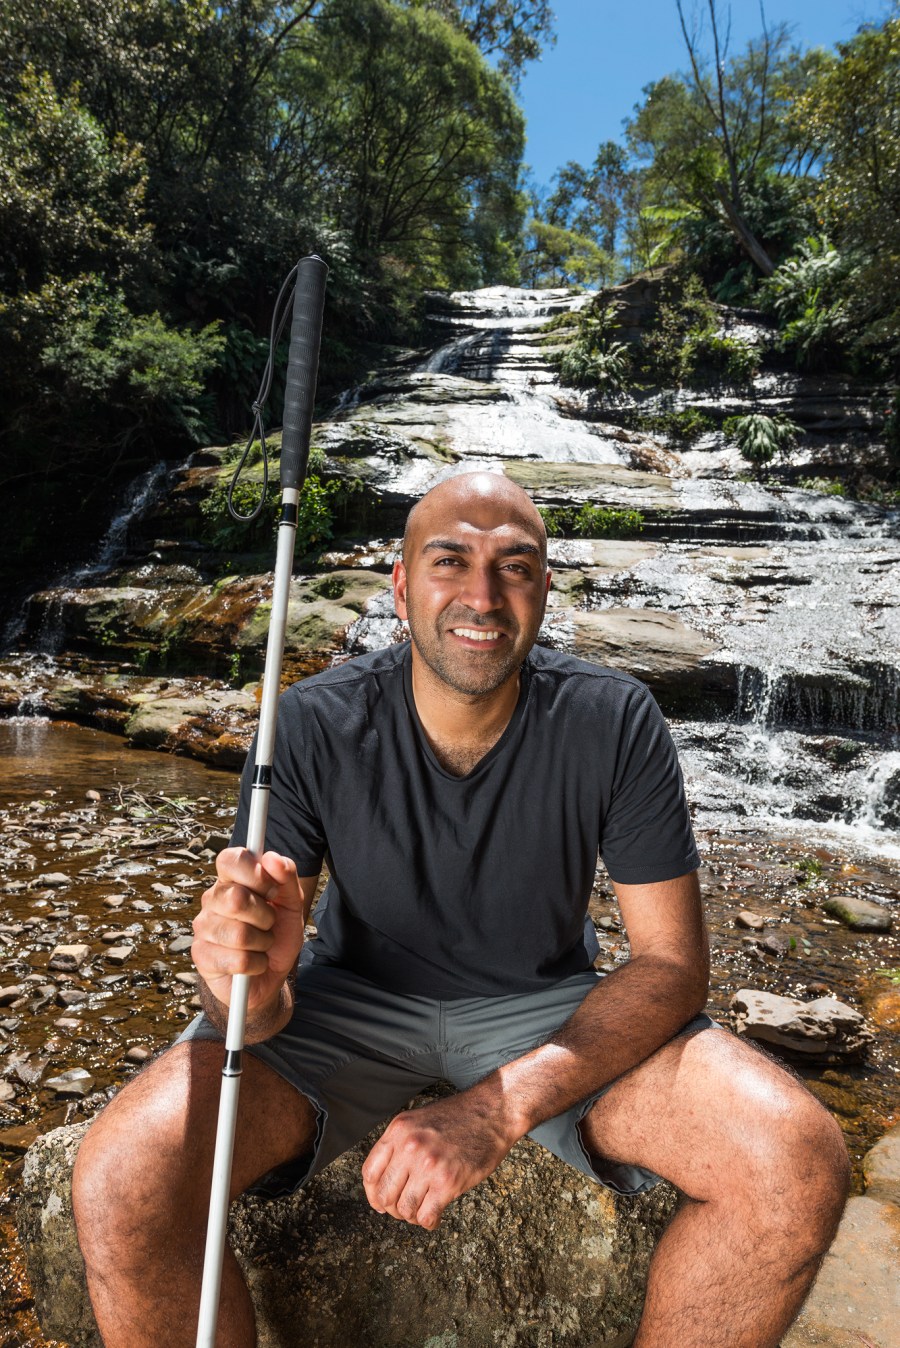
476, 633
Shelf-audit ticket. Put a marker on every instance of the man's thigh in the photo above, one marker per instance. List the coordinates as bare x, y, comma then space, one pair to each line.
709, 1112
159, 1131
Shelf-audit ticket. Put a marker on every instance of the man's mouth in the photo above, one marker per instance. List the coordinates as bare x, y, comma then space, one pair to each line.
477, 633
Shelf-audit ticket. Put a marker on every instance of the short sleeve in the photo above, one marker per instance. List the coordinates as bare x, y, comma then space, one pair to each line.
646, 835
293, 826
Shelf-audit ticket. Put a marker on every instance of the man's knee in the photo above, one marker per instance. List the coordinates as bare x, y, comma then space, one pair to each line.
136, 1160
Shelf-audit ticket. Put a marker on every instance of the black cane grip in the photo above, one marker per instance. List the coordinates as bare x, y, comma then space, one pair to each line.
303, 366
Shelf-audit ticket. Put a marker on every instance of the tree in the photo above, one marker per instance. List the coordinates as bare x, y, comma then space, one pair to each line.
553, 256
513, 32
853, 109
714, 139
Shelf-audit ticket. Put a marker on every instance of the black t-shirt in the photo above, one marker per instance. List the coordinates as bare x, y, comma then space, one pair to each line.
450, 887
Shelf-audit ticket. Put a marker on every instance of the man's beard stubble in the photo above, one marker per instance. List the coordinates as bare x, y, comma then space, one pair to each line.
470, 673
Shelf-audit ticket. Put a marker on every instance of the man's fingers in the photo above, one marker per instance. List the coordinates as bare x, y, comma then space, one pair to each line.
215, 962
375, 1165
272, 877
239, 902
430, 1212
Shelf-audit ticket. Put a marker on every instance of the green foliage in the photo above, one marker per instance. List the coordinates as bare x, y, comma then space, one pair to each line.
805, 294
760, 437
554, 256
851, 110
590, 521
809, 870
685, 425
828, 486
686, 318
594, 359
321, 504
737, 361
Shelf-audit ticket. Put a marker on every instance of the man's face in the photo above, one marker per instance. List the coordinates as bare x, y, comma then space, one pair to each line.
473, 589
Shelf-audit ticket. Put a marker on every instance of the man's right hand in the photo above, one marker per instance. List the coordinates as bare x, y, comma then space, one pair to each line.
251, 922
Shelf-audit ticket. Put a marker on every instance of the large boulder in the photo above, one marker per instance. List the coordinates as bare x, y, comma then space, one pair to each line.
536, 1255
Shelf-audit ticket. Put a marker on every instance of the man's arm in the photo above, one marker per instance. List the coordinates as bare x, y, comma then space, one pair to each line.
429, 1156
251, 921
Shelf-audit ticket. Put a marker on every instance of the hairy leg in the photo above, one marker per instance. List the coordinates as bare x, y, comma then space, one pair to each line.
141, 1187
764, 1172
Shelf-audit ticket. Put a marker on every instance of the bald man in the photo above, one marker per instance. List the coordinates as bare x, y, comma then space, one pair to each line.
459, 787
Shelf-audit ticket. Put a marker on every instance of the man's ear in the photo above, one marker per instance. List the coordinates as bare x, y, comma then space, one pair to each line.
398, 578
549, 579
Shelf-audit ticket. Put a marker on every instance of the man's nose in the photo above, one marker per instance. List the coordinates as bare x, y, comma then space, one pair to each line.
482, 592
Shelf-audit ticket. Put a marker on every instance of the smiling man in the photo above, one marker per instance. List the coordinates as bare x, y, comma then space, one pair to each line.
459, 787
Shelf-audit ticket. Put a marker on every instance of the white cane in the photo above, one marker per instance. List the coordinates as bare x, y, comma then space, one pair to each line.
303, 362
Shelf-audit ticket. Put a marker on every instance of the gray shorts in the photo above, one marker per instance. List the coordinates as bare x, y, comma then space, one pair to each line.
360, 1054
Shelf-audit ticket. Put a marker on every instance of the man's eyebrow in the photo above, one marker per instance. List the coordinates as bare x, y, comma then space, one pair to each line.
451, 545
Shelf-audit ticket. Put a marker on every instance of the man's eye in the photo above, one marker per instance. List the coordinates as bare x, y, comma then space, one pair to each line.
447, 561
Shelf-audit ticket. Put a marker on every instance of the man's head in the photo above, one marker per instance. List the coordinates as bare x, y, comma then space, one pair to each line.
473, 580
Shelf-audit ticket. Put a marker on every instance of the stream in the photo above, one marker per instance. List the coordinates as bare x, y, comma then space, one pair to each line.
765, 618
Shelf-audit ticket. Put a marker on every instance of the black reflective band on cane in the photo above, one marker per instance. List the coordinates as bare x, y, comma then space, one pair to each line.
262, 776
289, 513
232, 1066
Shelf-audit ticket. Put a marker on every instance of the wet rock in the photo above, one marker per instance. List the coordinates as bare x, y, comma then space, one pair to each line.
93, 795
68, 1023
159, 971
164, 891
858, 914
17, 1140
141, 906
217, 842
11, 993
54, 880
138, 1053
824, 1030
653, 645
751, 920
534, 1255
188, 980
114, 901
71, 996
75, 1082
881, 1167
118, 954
68, 958
8, 1092
180, 945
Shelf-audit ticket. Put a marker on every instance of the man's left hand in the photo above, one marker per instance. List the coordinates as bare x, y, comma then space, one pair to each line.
427, 1157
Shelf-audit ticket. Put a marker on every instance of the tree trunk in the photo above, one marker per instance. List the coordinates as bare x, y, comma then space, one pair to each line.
745, 237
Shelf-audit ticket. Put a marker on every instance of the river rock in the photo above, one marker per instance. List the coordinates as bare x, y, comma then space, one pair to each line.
7, 1092
54, 880
753, 921
67, 958
823, 1030
881, 1167
180, 945
76, 1081
534, 1255
858, 914
118, 954
11, 993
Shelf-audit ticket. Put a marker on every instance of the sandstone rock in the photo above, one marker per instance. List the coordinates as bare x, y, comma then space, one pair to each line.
858, 914
823, 1030
11, 993
76, 1082
179, 945
752, 920
138, 1053
7, 1092
118, 954
881, 1167
68, 958
54, 880
534, 1255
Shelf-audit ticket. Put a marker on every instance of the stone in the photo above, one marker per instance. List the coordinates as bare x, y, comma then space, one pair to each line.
118, 954
141, 906
68, 1023
93, 795
11, 993
188, 979
77, 1081
881, 1167
164, 891
536, 1254
858, 914
71, 996
67, 958
857, 1291
7, 1092
55, 880
180, 945
138, 1053
217, 842
114, 901
17, 1140
824, 1030
753, 921
159, 971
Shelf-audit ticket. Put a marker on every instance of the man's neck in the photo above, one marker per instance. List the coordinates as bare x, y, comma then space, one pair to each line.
451, 717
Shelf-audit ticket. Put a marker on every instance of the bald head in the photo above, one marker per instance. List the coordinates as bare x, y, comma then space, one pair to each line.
480, 499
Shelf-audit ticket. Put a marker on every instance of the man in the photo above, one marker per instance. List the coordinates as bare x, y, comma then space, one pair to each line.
459, 787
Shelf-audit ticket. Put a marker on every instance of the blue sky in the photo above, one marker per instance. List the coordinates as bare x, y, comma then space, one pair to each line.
607, 50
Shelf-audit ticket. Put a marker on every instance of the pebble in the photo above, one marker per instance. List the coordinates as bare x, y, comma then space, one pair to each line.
92, 795
118, 954
164, 891
751, 920
67, 958
188, 979
137, 1053
114, 901
180, 945
159, 971
76, 1081
71, 996
68, 1023
7, 1092
216, 842
196, 1003
110, 937
11, 993
142, 906
54, 880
